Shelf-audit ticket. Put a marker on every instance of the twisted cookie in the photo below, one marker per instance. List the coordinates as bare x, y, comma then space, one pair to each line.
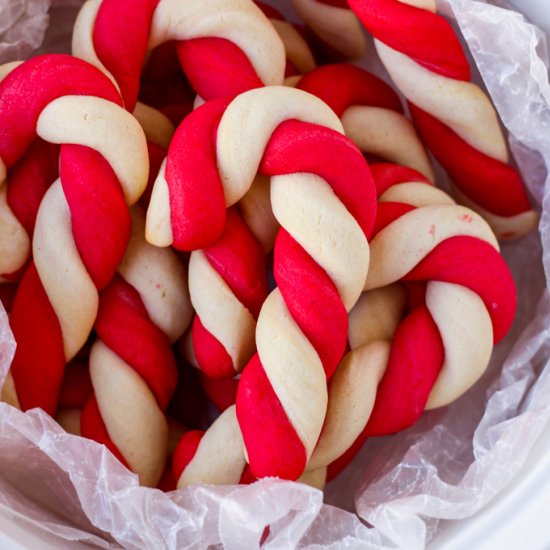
228, 285
224, 46
142, 312
420, 344
323, 198
299, 57
454, 116
83, 223
335, 24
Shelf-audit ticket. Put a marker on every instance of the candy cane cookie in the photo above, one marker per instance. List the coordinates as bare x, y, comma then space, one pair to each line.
322, 196
371, 114
455, 117
334, 24
224, 46
374, 319
133, 371
420, 344
227, 285
83, 223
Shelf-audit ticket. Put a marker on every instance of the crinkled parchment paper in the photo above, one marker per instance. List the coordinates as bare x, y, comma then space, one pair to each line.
448, 466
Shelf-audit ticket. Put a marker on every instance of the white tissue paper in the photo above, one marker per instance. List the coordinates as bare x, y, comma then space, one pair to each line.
448, 466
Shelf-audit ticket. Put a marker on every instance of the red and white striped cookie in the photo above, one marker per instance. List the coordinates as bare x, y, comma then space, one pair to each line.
322, 196
224, 46
233, 268
371, 114
421, 344
334, 24
133, 371
83, 223
455, 117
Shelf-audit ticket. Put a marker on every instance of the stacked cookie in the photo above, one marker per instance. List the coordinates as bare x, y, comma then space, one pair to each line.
225, 262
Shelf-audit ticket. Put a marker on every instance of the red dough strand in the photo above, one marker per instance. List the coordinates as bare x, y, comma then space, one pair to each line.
355, 87
257, 407
100, 222
423, 36
123, 324
214, 66
415, 361
239, 260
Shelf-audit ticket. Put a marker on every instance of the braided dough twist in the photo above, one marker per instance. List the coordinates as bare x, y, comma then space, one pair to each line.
83, 224
143, 310
216, 456
371, 114
224, 46
228, 285
403, 362
321, 195
454, 116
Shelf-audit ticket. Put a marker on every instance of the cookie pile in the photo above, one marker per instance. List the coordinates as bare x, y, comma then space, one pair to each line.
223, 253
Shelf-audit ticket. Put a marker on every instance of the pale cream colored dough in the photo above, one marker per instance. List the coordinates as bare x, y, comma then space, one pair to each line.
244, 132
219, 459
156, 125
14, 241
248, 124
416, 194
376, 315
256, 212
70, 289
131, 414
387, 134
293, 368
9, 393
460, 105
220, 311
296, 48
158, 225
337, 27
352, 391
82, 39
460, 315
511, 227
160, 278
467, 333
188, 350
239, 21
307, 207
428, 5
15, 244
401, 245
314, 478
104, 127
